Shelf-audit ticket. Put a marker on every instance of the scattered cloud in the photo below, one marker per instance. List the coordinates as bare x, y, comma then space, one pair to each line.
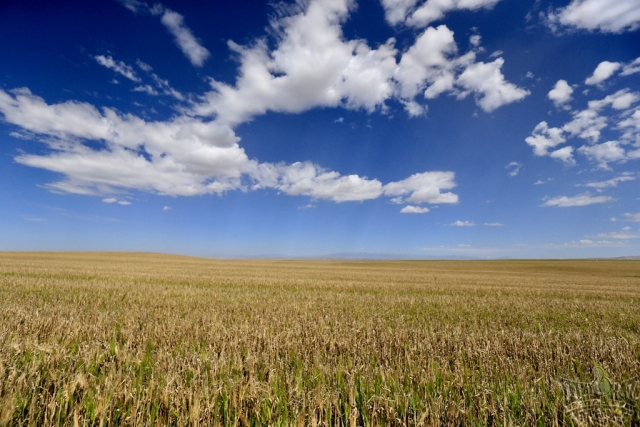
588, 124
414, 209
494, 224
166, 208
561, 93
542, 181
632, 217
514, 168
613, 182
117, 66
609, 16
624, 234
462, 224
307, 206
579, 200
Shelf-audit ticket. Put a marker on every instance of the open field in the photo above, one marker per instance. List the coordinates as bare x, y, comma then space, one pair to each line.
142, 339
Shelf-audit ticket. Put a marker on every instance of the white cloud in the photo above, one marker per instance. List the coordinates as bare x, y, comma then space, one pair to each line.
490, 86
166, 208
609, 151
515, 168
475, 39
603, 71
632, 217
586, 124
117, 66
184, 39
561, 93
541, 182
462, 224
313, 65
114, 200
565, 154
621, 100
613, 182
624, 234
396, 11
613, 16
174, 22
579, 200
146, 89
631, 68
424, 188
543, 138
183, 156
414, 209
433, 10
494, 224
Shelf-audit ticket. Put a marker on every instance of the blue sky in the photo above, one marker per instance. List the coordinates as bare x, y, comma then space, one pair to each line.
456, 128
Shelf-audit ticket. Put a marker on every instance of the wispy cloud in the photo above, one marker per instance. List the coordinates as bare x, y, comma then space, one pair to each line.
185, 40
579, 200
117, 66
459, 223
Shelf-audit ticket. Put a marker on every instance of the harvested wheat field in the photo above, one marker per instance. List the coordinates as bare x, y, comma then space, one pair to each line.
142, 339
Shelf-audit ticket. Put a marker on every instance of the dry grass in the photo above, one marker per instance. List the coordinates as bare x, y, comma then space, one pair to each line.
142, 339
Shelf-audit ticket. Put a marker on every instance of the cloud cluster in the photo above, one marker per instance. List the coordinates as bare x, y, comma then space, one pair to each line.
609, 16
181, 157
588, 124
313, 65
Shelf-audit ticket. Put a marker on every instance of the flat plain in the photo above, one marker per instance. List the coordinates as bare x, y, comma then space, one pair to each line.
147, 339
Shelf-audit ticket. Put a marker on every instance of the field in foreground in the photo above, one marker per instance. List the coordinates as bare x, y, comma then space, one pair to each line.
142, 339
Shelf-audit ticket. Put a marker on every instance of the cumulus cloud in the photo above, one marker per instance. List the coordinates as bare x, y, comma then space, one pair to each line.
424, 187
459, 223
610, 151
543, 138
166, 208
185, 40
561, 93
610, 16
181, 157
490, 86
408, 11
579, 200
414, 209
312, 64
117, 66
603, 71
